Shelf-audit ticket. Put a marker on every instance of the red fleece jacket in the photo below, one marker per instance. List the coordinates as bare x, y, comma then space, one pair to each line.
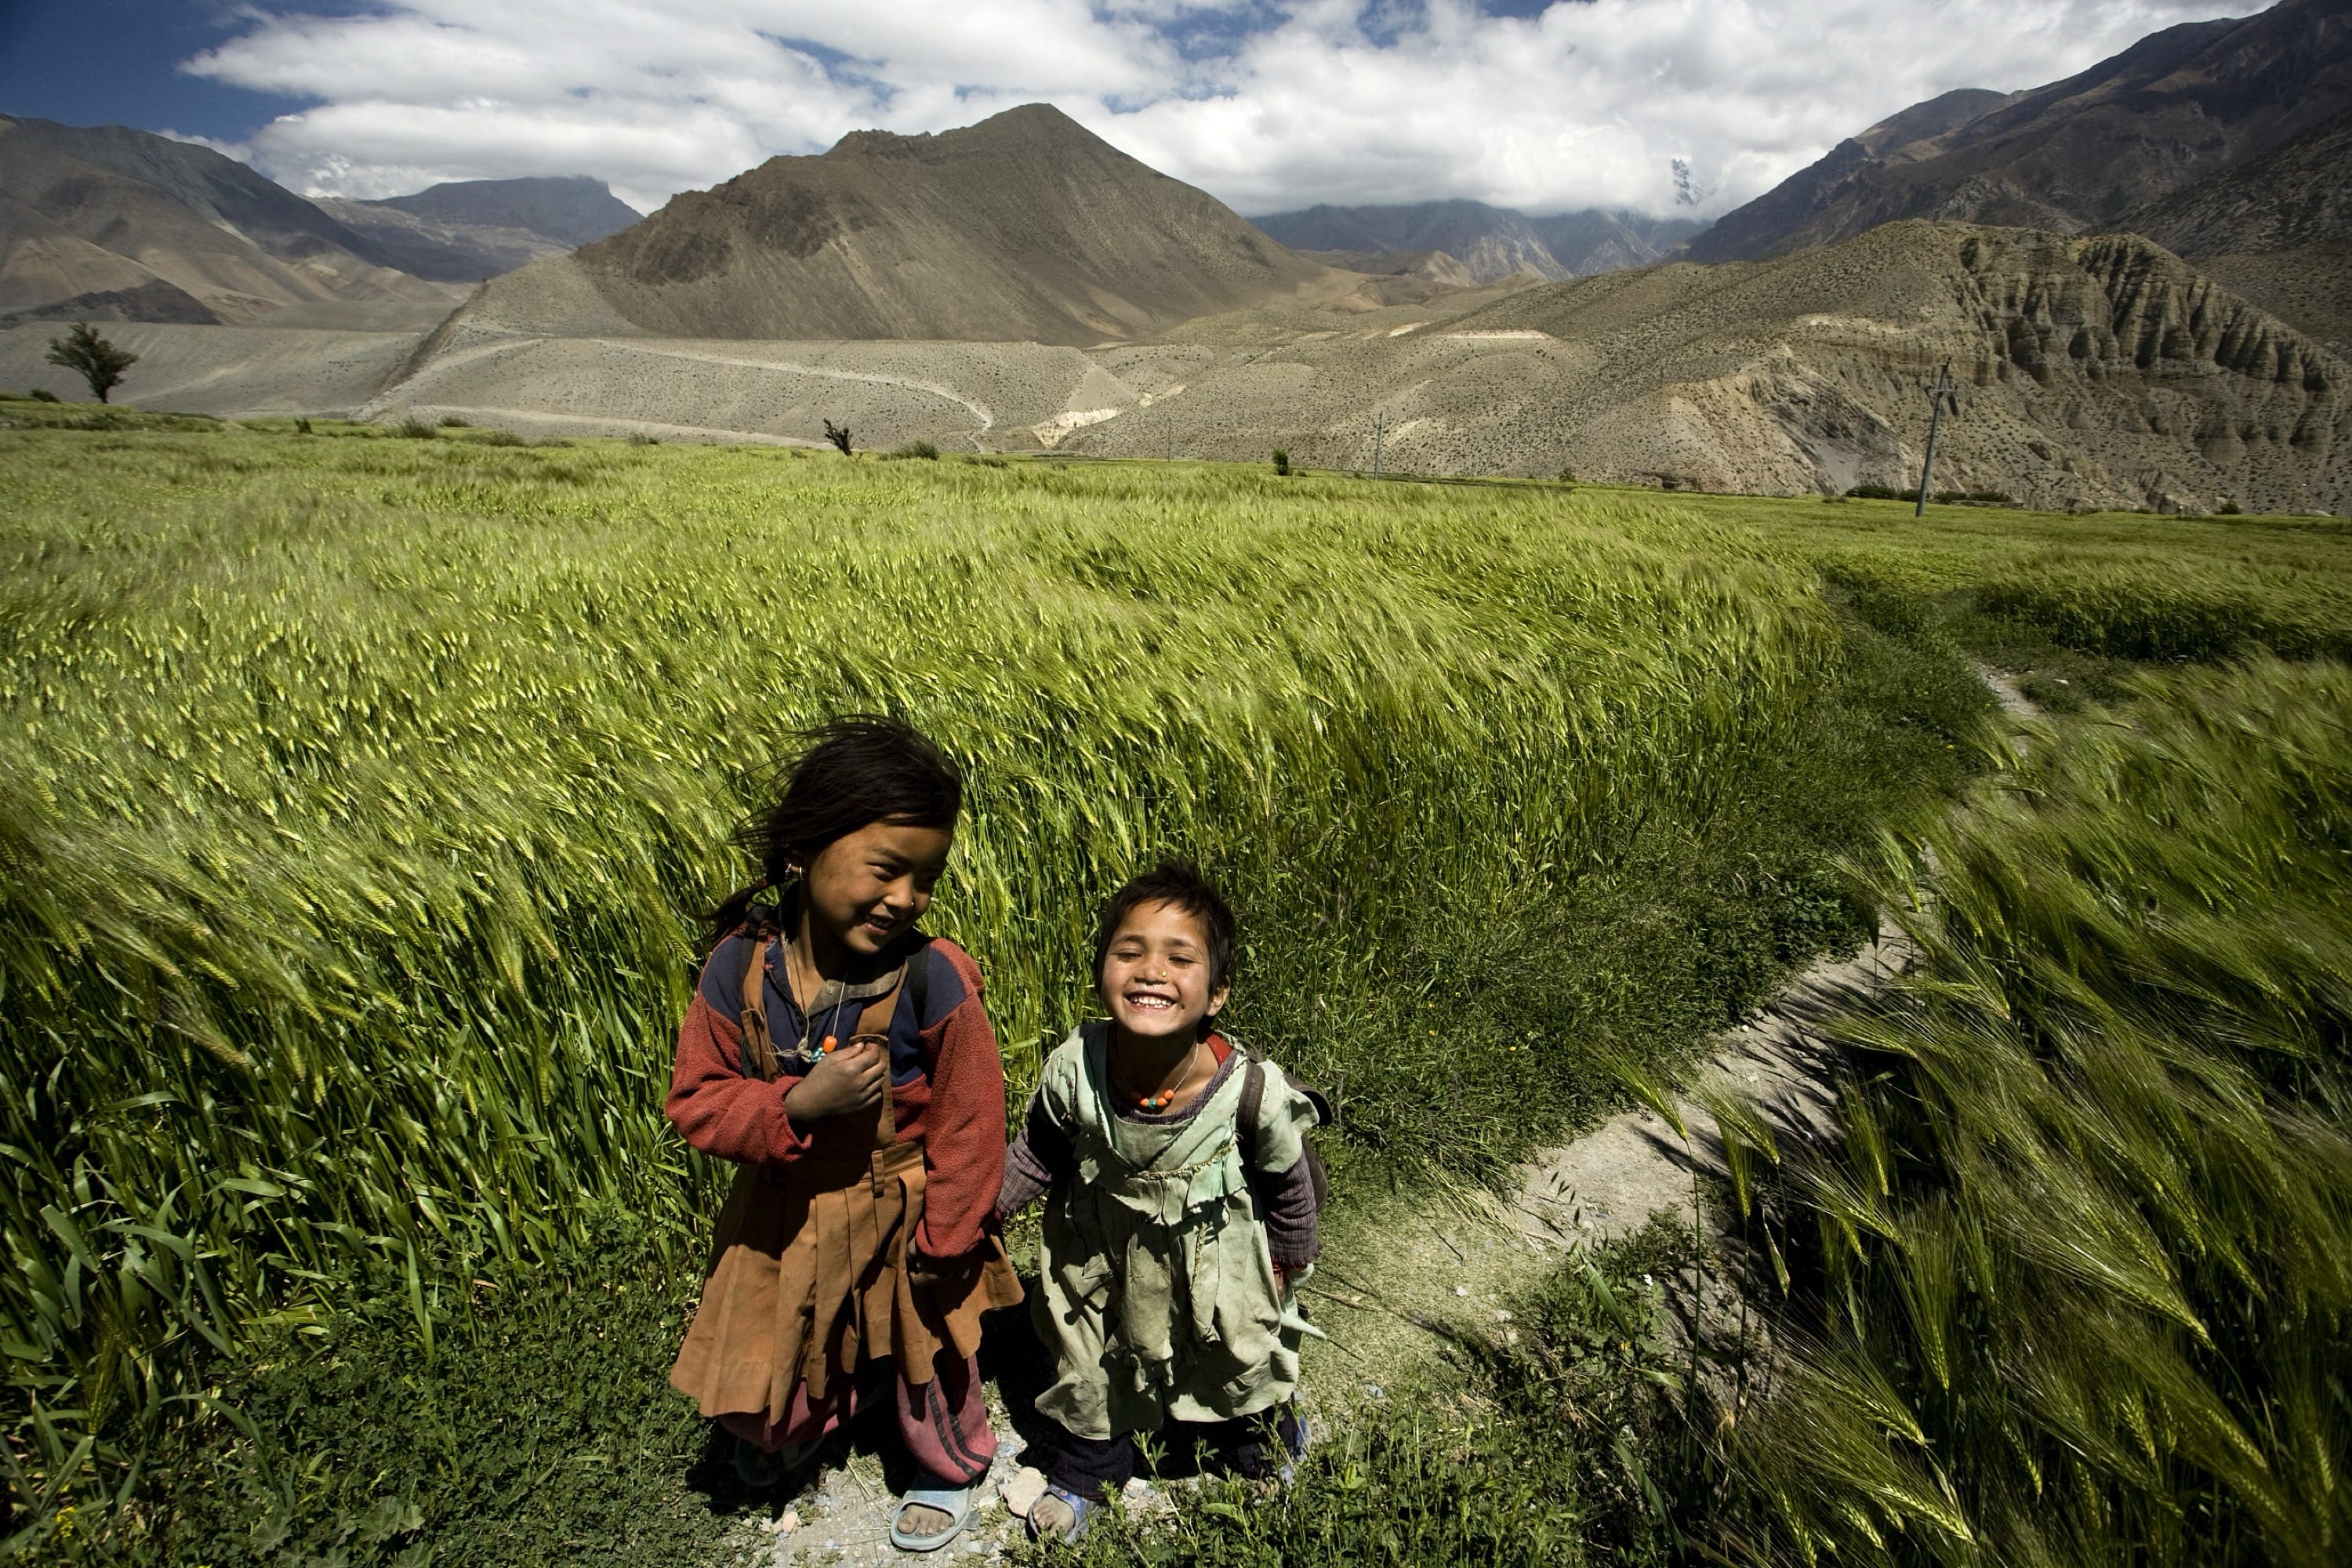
947, 1087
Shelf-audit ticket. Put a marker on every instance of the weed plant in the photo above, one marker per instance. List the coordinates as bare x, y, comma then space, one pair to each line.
2085, 1256
540, 1433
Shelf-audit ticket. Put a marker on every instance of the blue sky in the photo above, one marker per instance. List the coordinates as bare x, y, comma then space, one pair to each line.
1266, 103
91, 62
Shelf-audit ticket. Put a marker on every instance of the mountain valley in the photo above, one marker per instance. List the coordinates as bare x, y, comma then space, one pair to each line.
2140, 313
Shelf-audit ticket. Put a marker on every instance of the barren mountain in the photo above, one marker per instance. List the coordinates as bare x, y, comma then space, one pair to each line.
1491, 242
1591, 240
113, 223
2277, 229
466, 230
1437, 268
2096, 372
2078, 155
1026, 226
573, 210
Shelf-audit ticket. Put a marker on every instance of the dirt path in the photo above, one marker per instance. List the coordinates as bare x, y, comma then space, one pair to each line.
1400, 1273
973, 406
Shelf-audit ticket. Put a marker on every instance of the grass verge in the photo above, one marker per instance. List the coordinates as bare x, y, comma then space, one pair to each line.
2083, 1258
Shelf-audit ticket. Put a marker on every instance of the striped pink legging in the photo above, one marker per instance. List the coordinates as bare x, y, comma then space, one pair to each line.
944, 1422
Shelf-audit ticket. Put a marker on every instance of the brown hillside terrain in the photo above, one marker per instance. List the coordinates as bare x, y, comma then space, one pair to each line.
2078, 154
2096, 372
2277, 229
113, 223
1024, 226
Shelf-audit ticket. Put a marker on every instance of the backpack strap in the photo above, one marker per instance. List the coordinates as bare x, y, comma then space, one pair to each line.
759, 1058
758, 1047
1246, 1119
919, 979
1253, 1102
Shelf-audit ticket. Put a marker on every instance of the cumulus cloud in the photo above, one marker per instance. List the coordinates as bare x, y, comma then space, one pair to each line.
1266, 105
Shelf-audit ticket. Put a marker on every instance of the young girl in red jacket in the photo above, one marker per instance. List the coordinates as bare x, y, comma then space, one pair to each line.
842, 1058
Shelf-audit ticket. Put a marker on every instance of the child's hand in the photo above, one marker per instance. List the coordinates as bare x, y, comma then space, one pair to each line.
847, 1081
925, 1272
1281, 1282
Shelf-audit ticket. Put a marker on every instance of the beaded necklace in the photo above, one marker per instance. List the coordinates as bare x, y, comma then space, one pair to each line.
1161, 1100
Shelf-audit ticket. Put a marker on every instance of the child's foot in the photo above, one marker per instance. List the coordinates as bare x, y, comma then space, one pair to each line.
928, 1518
1267, 1458
1060, 1512
759, 1469
1294, 1446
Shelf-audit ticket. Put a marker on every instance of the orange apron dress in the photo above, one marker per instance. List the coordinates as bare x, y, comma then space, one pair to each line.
808, 1269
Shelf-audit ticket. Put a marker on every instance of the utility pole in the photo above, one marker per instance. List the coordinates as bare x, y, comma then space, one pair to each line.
1379, 419
1943, 393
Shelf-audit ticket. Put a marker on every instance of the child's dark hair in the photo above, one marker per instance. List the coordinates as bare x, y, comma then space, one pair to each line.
1179, 884
849, 773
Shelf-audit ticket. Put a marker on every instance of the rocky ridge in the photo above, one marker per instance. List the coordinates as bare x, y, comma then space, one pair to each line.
1489, 242
111, 223
2082, 154
1024, 226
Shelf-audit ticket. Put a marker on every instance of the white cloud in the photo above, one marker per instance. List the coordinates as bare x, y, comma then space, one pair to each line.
240, 151
1331, 100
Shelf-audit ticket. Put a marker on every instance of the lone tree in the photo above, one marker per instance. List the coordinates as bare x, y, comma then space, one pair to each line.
98, 362
838, 434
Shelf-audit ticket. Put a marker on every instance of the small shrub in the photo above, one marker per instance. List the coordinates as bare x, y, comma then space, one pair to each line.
1877, 492
499, 439
639, 439
91, 357
451, 422
922, 449
1972, 498
986, 460
1568, 476
414, 429
838, 434
1281, 462
302, 426
2231, 508
43, 395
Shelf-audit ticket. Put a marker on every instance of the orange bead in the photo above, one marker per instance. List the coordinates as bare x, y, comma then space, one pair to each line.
829, 1044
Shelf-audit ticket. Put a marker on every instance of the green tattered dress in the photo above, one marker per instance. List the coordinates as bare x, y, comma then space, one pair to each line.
1159, 1296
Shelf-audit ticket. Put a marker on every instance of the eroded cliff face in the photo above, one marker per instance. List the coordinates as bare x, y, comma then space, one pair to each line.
2151, 376
2097, 371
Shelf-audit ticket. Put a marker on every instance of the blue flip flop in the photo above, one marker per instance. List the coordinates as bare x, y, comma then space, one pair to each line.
952, 1500
1082, 1510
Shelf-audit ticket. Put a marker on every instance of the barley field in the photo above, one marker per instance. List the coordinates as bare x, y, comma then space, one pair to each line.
2086, 1257
359, 796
